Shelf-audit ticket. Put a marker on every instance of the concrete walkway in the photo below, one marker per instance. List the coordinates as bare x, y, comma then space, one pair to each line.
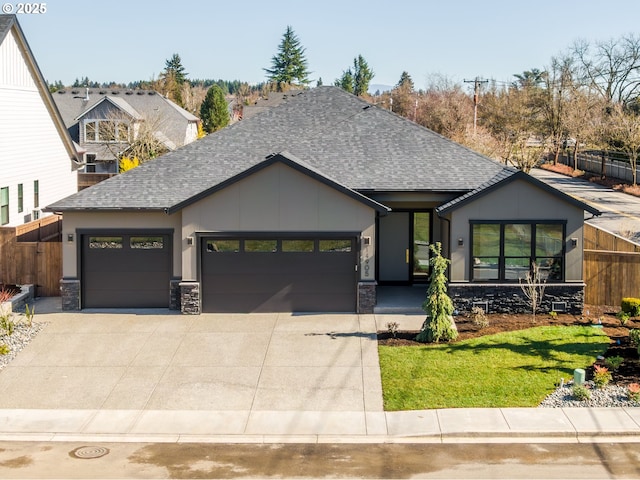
157, 376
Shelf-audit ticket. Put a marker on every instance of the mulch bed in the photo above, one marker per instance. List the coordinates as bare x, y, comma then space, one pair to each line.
620, 345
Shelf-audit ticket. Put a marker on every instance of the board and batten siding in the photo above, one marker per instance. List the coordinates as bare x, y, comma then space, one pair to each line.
30, 145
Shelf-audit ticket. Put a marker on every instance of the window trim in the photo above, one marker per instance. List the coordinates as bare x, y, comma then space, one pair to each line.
36, 194
4, 206
501, 254
20, 198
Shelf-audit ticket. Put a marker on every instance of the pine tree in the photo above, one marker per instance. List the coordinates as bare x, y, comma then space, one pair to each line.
172, 79
362, 76
289, 65
345, 82
175, 67
214, 112
356, 80
439, 324
405, 81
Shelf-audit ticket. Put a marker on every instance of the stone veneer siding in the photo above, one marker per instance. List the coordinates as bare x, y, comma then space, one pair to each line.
70, 293
509, 298
174, 294
366, 297
190, 298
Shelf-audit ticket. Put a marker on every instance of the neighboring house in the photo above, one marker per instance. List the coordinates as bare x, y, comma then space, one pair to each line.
309, 206
105, 121
37, 156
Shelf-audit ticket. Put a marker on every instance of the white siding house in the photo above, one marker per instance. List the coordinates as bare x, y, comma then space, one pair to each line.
37, 155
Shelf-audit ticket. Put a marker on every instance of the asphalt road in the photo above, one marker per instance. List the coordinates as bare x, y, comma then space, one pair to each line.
410, 460
620, 211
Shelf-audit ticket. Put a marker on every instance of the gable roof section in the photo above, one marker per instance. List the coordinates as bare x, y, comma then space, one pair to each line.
164, 114
119, 103
508, 175
368, 148
291, 161
9, 23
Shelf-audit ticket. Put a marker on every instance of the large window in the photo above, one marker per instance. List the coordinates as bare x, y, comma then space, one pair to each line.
4, 205
106, 131
505, 251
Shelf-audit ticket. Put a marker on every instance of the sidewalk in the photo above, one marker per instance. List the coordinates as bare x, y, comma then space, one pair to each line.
159, 377
504, 425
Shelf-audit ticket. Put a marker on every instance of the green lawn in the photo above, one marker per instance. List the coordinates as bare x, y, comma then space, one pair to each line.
513, 369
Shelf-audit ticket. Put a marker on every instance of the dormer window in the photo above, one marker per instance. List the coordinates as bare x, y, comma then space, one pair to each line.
106, 131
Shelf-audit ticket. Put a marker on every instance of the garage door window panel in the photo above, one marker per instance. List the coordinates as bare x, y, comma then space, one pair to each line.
146, 243
223, 246
298, 246
335, 246
103, 243
260, 246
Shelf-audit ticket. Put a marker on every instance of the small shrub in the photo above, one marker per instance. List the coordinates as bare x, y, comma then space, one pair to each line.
29, 313
623, 317
553, 314
4, 349
633, 391
7, 324
631, 306
601, 376
392, 328
5, 294
580, 392
634, 336
479, 318
614, 362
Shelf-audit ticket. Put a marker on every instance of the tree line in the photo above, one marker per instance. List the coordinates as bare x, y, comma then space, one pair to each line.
587, 97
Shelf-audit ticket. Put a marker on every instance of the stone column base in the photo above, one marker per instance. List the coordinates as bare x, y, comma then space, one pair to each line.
70, 293
190, 298
366, 297
174, 295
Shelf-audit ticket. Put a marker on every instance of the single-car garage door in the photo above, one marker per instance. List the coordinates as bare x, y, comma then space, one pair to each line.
293, 274
129, 270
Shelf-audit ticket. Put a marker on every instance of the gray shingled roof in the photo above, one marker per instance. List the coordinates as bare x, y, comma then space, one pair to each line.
366, 147
6, 21
168, 117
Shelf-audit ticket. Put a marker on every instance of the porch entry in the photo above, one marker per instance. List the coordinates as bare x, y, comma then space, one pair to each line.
404, 238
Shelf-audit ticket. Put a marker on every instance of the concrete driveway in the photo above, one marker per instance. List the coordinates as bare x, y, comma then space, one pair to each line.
150, 371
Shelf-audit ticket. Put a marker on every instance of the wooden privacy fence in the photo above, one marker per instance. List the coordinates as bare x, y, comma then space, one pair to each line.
37, 262
611, 267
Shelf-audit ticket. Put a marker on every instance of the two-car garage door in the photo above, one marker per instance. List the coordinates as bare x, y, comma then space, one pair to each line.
278, 274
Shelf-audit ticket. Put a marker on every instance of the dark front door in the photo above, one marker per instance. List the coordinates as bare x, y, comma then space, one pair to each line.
129, 270
403, 247
275, 274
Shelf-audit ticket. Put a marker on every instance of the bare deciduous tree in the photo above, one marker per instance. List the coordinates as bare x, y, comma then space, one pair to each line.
533, 287
610, 67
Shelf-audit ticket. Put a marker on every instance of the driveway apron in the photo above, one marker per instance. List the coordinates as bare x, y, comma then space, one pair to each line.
252, 373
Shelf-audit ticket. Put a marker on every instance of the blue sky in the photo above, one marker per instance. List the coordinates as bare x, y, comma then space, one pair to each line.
130, 40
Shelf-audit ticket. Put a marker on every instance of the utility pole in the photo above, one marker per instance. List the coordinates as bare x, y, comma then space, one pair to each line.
476, 92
